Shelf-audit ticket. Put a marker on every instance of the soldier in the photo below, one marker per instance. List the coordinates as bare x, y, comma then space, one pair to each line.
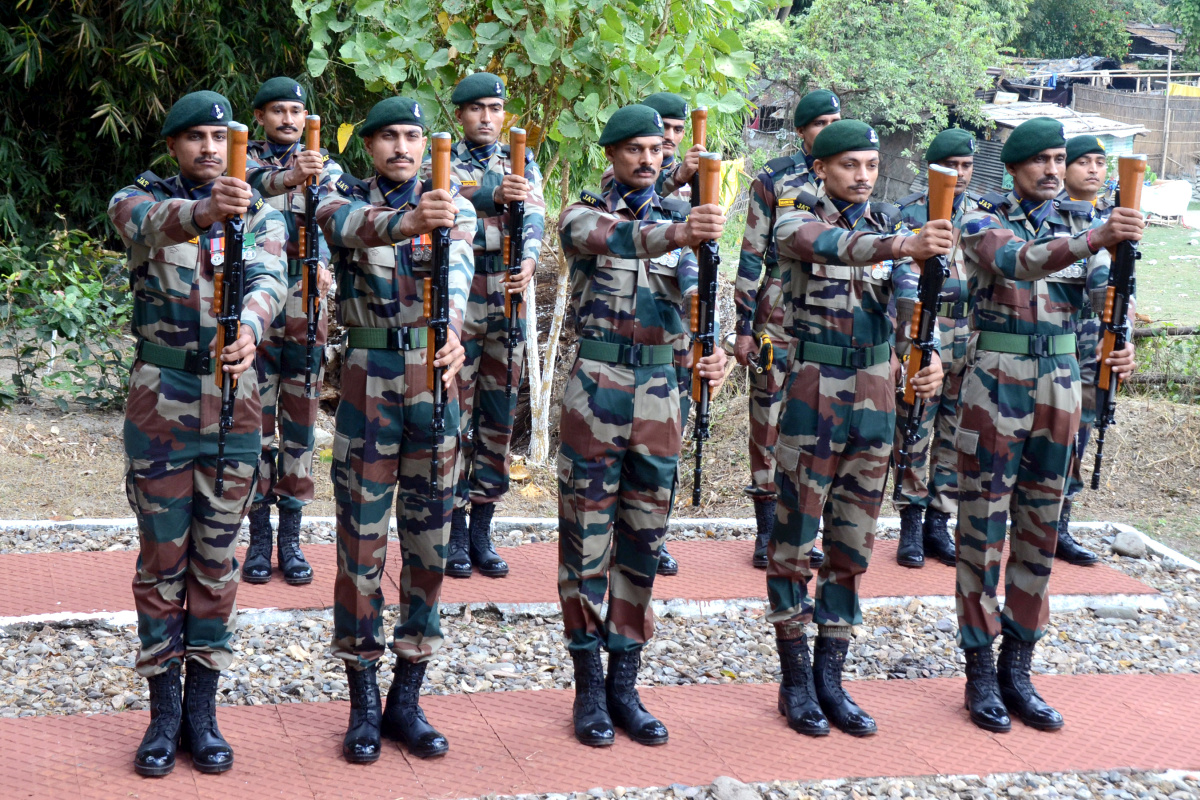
1018, 412
760, 312
285, 470
187, 571
1083, 183
836, 255
484, 168
379, 229
926, 485
631, 276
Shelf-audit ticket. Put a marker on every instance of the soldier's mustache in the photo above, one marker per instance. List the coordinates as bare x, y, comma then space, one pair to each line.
287, 129
644, 171
400, 160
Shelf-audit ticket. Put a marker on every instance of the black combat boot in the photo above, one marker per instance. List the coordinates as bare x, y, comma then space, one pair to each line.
156, 754
1016, 687
983, 699
936, 535
667, 565
361, 744
829, 654
292, 562
797, 696
200, 735
625, 705
458, 557
403, 719
1070, 550
483, 555
815, 558
593, 725
257, 568
911, 552
764, 519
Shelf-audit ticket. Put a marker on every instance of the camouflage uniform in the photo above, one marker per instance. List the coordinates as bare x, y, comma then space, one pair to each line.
285, 470
930, 480
617, 466
187, 574
384, 424
487, 413
835, 429
1018, 412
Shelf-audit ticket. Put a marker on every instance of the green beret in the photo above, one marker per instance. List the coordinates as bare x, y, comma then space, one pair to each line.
950, 143
473, 87
668, 104
393, 111
279, 89
630, 122
845, 134
1080, 146
197, 108
1032, 137
816, 104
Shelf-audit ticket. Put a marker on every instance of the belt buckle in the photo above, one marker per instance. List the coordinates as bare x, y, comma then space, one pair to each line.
635, 355
202, 363
399, 336
1039, 346
858, 359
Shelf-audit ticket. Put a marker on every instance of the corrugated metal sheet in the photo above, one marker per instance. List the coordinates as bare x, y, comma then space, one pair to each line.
1161, 35
989, 171
1074, 122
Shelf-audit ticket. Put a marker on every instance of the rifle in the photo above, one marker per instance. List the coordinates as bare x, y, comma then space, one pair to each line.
437, 309
704, 312
700, 137
924, 335
229, 289
309, 246
1131, 171
514, 243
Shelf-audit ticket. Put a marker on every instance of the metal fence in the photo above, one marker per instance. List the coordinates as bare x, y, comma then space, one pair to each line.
1181, 115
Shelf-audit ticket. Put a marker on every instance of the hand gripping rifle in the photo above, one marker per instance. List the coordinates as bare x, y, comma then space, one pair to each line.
700, 137
229, 289
309, 246
437, 309
924, 335
514, 244
704, 312
1131, 171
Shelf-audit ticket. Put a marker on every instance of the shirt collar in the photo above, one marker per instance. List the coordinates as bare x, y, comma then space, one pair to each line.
397, 195
639, 201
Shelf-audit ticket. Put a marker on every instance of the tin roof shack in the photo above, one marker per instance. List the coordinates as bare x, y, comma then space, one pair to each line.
1051, 80
1154, 39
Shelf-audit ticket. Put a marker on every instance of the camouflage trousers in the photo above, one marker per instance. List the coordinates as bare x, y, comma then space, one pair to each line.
384, 439
766, 401
1014, 462
617, 468
835, 436
186, 582
285, 470
1089, 340
487, 410
930, 478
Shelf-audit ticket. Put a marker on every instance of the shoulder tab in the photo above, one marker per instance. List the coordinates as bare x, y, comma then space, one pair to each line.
1076, 208
805, 201
592, 199
147, 180
257, 204
910, 199
888, 214
993, 202
349, 186
677, 207
776, 165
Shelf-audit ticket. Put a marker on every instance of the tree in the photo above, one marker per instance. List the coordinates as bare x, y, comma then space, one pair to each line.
1069, 28
1186, 14
900, 65
567, 64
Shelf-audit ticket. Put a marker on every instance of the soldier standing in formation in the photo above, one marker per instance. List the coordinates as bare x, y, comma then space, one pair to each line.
384, 426
758, 297
187, 574
483, 167
1019, 412
927, 484
1087, 166
631, 275
285, 469
836, 255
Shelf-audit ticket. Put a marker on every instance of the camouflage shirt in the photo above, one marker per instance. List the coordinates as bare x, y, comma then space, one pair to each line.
171, 262
757, 295
1024, 280
479, 180
379, 271
837, 279
629, 278
914, 213
265, 174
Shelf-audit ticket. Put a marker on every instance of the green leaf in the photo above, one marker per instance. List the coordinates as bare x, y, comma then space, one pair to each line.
318, 60
439, 59
569, 89
731, 103
588, 106
568, 126
461, 38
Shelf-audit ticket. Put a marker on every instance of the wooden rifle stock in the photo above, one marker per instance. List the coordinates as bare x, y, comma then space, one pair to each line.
516, 148
704, 313
699, 137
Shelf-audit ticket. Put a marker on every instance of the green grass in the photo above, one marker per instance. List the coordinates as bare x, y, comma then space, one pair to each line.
1168, 290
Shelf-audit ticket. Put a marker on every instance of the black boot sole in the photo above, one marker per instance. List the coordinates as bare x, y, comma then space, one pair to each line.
599, 741
248, 579
390, 732
667, 572
1079, 562
988, 725
298, 581
1041, 726
647, 740
910, 563
458, 572
798, 728
759, 564
493, 573
153, 772
351, 759
208, 769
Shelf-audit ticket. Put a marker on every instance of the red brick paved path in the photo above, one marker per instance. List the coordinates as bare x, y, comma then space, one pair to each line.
510, 742
48, 583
